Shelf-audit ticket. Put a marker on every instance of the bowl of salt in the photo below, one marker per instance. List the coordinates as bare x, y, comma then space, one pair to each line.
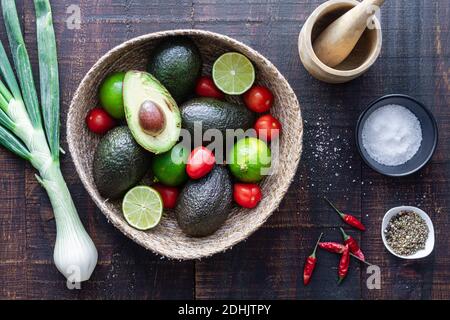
396, 135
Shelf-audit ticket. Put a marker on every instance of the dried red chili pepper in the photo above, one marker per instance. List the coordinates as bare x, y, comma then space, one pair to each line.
344, 263
333, 247
348, 218
353, 245
310, 264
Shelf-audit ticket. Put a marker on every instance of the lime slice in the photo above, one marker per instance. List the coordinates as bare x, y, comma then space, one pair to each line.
233, 73
142, 207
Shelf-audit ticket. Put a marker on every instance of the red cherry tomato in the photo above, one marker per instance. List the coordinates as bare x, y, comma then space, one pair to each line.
247, 195
258, 99
206, 88
99, 121
267, 127
200, 162
169, 195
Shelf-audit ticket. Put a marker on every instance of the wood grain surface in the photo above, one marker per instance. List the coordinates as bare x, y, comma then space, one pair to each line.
415, 60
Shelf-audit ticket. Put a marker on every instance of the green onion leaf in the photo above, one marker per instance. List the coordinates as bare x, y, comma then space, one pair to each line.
4, 92
48, 71
6, 121
3, 101
21, 61
8, 74
10, 142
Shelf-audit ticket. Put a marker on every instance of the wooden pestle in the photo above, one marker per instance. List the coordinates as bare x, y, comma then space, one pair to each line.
336, 42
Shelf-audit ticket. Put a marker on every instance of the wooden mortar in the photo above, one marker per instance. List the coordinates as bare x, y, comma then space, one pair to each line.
360, 59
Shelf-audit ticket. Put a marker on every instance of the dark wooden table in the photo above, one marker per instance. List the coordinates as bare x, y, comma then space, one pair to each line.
415, 60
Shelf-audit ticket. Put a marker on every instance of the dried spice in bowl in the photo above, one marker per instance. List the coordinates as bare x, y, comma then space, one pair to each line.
406, 233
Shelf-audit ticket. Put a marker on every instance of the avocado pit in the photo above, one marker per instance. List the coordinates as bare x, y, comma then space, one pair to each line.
151, 118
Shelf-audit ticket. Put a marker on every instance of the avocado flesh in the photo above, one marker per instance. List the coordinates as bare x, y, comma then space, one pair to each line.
177, 64
215, 114
141, 87
204, 205
119, 163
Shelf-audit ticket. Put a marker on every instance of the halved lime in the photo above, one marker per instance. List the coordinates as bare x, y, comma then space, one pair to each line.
233, 73
142, 207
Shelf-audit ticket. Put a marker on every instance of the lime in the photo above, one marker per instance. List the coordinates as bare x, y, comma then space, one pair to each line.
249, 159
142, 207
111, 95
170, 167
233, 73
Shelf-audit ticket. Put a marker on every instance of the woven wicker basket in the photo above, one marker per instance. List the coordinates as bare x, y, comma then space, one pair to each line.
167, 238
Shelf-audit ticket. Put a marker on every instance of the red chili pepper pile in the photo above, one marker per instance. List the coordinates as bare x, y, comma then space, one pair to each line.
350, 247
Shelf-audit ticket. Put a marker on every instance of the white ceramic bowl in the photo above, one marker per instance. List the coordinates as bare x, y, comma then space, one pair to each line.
429, 245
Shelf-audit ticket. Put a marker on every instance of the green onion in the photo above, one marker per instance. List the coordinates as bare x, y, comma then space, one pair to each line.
22, 132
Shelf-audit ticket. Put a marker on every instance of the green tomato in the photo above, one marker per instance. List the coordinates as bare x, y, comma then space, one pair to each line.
249, 160
111, 95
170, 167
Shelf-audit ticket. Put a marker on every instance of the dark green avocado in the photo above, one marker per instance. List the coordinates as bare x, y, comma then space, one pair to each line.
204, 205
215, 114
119, 163
177, 64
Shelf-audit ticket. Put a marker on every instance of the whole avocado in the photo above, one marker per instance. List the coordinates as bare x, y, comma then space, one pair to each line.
119, 163
177, 64
204, 205
215, 114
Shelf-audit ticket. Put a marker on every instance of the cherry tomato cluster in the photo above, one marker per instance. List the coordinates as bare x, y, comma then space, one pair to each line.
258, 99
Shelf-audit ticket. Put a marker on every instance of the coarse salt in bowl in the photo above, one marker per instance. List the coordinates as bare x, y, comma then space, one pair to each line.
406, 164
395, 141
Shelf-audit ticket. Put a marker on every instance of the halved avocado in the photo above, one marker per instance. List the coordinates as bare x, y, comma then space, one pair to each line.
151, 112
